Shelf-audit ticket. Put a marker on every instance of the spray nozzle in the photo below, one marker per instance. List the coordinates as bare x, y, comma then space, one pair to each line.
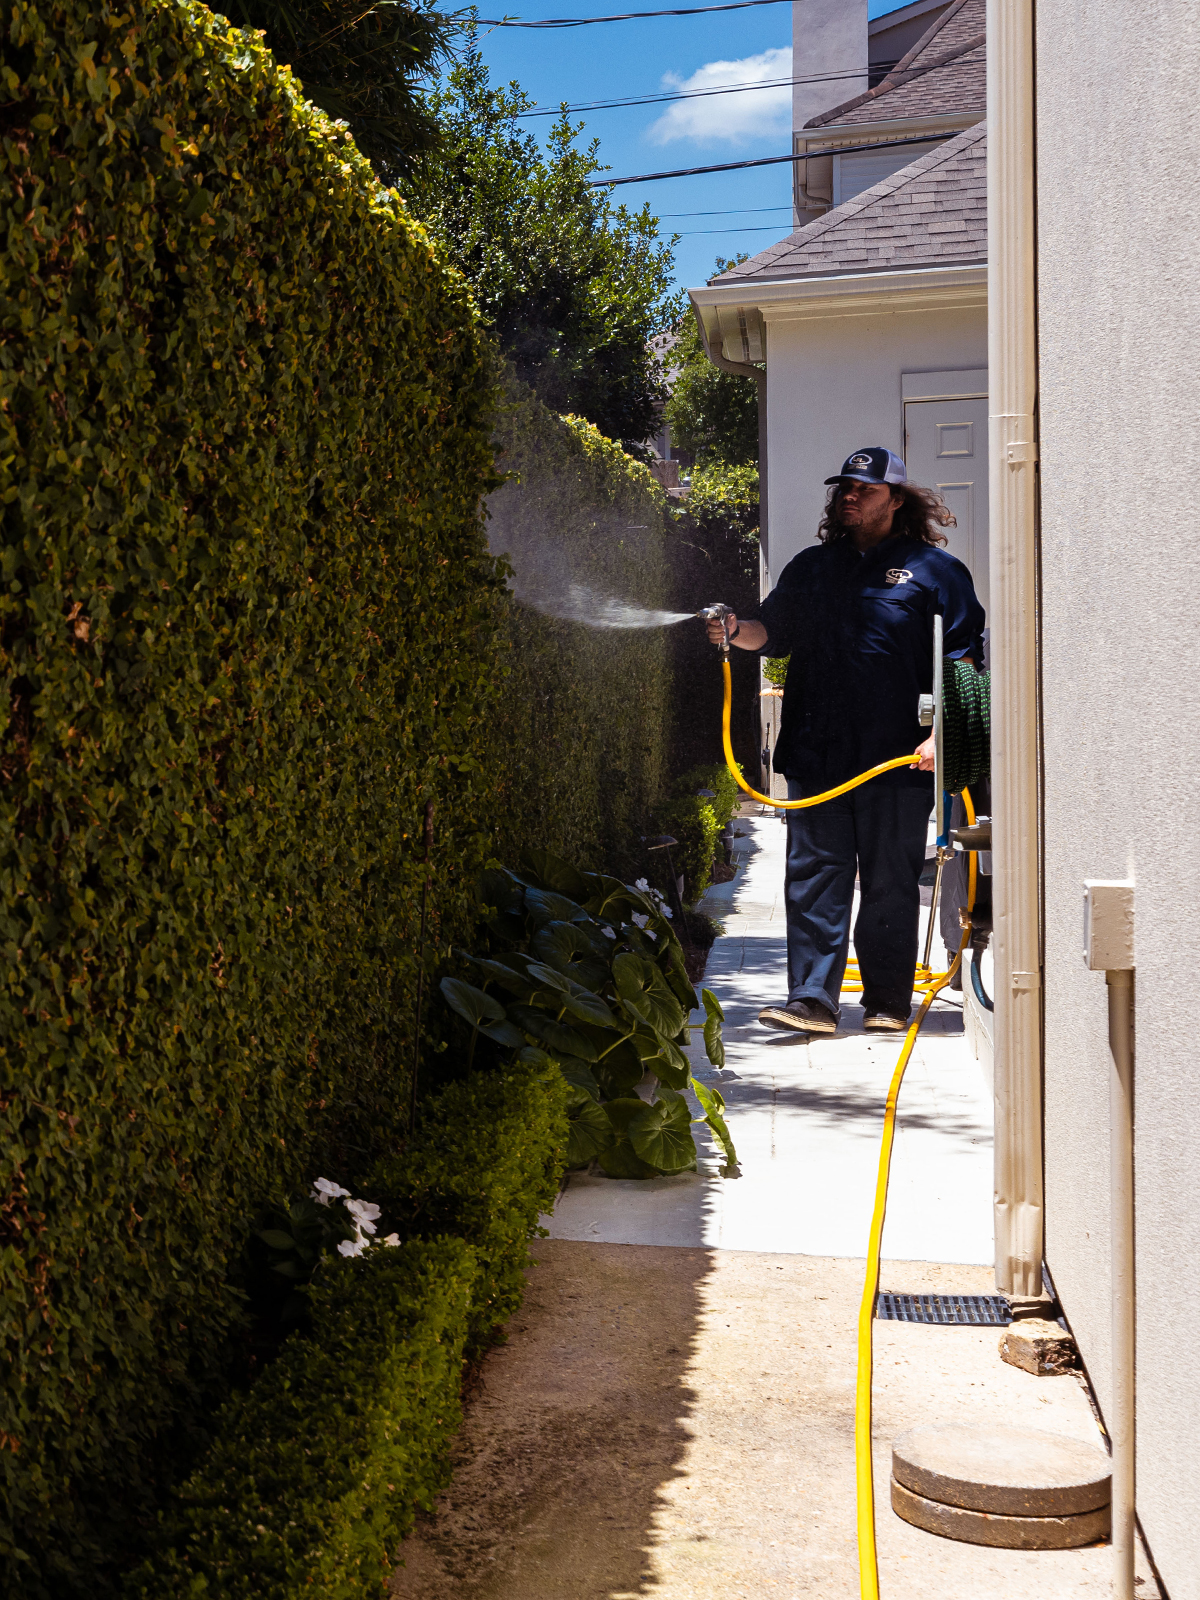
719, 613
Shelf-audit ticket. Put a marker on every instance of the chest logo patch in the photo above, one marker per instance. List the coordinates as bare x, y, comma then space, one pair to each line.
897, 575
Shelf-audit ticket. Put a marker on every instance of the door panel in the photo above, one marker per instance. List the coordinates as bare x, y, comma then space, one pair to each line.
945, 448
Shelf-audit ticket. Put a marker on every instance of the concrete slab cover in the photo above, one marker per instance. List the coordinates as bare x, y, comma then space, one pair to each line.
1002, 1533
1015, 1472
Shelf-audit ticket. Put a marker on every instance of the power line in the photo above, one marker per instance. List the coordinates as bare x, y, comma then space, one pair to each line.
696, 233
762, 161
626, 16
696, 94
732, 211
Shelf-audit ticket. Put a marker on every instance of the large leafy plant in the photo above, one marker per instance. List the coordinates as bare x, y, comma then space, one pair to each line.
586, 971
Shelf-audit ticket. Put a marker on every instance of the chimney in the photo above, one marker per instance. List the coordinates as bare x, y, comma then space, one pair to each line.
829, 40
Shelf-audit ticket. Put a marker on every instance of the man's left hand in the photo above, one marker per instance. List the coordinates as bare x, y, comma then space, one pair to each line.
923, 755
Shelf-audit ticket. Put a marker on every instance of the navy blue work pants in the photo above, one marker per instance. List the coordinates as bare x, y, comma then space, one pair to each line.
877, 832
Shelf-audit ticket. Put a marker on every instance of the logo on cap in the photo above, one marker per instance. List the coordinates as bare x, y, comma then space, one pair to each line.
859, 461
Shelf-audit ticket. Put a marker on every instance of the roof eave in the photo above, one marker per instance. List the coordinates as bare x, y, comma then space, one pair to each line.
733, 313
839, 133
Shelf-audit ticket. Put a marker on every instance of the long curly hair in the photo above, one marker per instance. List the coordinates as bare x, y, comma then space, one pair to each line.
921, 514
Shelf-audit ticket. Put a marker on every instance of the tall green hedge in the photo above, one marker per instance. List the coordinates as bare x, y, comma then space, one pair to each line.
247, 617
585, 711
315, 1474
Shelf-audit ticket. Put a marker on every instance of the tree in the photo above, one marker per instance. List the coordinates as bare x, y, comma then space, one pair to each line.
362, 61
713, 415
573, 286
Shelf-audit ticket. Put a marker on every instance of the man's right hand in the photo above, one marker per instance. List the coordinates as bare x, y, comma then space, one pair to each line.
750, 635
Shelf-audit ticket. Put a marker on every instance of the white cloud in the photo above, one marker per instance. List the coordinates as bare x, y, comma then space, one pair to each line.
734, 118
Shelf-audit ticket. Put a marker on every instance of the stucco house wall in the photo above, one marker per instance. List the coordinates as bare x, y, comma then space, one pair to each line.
1119, 357
833, 384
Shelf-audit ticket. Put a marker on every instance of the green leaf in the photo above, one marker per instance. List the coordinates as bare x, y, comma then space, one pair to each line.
481, 1010
623, 1161
544, 906
712, 1103
662, 1135
644, 990
579, 1075
714, 1045
680, 985
552, 872
558, 1037
620, 1071
580, 1002
663, 1058
567, 947
590, 1133
501, 890
277, 1239
507, 970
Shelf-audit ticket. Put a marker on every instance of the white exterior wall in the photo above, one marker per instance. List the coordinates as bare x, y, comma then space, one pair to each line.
1119, 333
833, 384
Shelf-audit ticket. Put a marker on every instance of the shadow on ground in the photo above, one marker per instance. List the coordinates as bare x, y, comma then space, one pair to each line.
576, 1427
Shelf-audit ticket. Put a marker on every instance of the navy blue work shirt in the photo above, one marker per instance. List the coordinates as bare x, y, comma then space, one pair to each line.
859, 630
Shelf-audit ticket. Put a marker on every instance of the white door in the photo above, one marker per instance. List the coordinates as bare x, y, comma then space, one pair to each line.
946, 448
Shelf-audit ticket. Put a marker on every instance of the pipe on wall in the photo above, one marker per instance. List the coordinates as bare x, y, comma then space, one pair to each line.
1121, 1415
1016, 734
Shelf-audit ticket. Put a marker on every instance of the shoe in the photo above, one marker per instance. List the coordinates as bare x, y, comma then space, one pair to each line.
805, 1016
884, 1022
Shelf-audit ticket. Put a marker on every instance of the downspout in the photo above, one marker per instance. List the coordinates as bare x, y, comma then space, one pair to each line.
1016, 731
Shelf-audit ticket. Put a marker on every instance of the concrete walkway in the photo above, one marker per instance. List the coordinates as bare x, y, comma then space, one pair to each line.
672, 1416
806, 1116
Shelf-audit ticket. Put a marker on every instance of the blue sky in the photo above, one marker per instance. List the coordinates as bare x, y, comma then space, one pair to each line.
619, 59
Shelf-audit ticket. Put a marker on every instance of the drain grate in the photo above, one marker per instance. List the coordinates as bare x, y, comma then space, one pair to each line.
967, 1310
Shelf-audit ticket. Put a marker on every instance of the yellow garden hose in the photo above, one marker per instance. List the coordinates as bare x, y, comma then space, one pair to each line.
927, 984
810, 800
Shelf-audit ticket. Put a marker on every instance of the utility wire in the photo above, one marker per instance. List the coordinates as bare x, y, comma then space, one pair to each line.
732, 211
763, 161
626, 16
696, 94
696, 233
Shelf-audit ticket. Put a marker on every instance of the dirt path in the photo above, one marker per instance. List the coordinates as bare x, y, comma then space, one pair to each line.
678, 1422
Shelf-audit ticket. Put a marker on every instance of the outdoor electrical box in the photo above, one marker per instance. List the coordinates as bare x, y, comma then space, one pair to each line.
1108, 925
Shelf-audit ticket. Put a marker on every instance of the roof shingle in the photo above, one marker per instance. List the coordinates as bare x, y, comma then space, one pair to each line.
943, 74
932, 213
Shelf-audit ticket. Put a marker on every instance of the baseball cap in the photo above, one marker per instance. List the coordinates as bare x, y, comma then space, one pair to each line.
873, 464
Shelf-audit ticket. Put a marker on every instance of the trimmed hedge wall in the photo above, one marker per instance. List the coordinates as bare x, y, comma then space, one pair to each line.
485, 1165
697, 821
315, 1474
585, 710
247, 622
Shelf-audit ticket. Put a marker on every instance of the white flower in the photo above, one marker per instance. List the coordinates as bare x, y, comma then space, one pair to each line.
666, 911
323, 1191
608, 933
639, 920
392, 1239
364, 1213
644, 885
352, 1247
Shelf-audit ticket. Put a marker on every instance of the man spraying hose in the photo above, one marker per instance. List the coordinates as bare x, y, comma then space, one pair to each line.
855, 614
